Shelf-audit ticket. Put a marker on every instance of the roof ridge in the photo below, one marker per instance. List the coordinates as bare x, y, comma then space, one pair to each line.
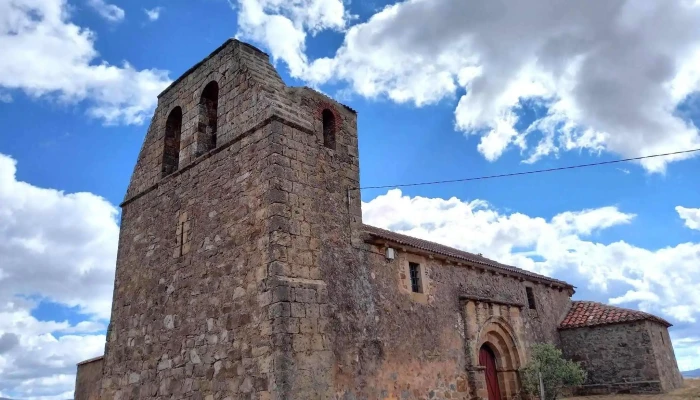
593, 313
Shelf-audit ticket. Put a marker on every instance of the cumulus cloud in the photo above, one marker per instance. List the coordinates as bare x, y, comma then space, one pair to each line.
154, 13
610, 74
43, 366
283, 25
8, 341
46, 55
53, 243
110, 12
665, 281
691, 216
54, 247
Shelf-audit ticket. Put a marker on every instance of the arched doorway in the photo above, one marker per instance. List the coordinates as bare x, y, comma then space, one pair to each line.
497, 342
487, 359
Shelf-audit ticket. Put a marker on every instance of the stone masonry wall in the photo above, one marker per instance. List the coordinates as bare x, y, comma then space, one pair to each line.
413, 346
244, 275
247, 98
671, 377
88, 380
617, 357
188, 322
314, 266
191, 317
220, 289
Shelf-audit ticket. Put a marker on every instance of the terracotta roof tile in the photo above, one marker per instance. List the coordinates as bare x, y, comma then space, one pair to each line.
590, 313
436, 248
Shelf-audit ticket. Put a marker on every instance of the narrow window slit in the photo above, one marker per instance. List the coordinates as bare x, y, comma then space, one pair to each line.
414, 270
182, 236
530, 298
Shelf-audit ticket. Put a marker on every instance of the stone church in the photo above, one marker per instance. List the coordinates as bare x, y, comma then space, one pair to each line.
244, 271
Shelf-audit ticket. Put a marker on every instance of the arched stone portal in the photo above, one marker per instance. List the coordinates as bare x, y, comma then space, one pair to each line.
498, 337
500, 327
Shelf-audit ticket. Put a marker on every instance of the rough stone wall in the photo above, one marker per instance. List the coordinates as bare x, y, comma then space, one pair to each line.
314, 267
88, 380
414, 346
191, 317
247, 98
243, 275
617, 357
671, 377
219, 289
189, 322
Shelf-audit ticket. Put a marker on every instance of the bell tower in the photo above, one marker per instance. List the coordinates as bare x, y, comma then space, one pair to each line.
240, 212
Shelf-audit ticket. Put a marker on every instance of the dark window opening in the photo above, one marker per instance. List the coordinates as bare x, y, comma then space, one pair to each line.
328, 129
207, 125
181, 237
530, 298
171, 151
414, 270
662, 338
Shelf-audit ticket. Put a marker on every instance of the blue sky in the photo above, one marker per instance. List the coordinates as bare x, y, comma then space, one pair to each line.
442, 91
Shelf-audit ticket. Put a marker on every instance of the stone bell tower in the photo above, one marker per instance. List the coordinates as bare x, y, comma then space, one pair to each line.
239, 212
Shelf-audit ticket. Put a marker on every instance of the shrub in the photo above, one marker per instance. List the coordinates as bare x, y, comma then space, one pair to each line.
557, 372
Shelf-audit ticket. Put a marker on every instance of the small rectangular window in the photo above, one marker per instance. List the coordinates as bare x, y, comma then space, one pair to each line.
662, 337
414, 270
530, 298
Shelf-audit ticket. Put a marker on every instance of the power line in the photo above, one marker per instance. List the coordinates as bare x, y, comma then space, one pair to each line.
537, 171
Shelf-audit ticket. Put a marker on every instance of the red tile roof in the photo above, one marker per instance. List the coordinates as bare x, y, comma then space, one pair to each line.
590, 313
436, 248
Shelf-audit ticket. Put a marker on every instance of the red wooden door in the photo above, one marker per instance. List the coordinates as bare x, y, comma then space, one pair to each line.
488, 359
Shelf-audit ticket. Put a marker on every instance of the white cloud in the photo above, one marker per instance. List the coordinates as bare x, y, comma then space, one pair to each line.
110, 12
54, 247
664, 281
54, 243
687, 352
691, 216
5, 97
154, 13
46, 55
609, 72
43, 366
283, 25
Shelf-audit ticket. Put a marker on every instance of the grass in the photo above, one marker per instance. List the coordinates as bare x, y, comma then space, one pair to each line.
690, 390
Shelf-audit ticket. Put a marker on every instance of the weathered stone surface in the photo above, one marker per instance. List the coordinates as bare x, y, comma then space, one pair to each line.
409, 345
246, 273
88, 380
624, 357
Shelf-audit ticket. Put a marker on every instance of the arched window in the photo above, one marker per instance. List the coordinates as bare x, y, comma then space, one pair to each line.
206, 128
171, 151
328, 129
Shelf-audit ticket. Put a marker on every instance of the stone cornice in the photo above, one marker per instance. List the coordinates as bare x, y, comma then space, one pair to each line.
467, 297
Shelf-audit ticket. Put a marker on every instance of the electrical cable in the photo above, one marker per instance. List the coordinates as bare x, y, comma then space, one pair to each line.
537, 171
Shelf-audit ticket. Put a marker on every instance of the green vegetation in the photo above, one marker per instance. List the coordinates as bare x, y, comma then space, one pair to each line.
556, 372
